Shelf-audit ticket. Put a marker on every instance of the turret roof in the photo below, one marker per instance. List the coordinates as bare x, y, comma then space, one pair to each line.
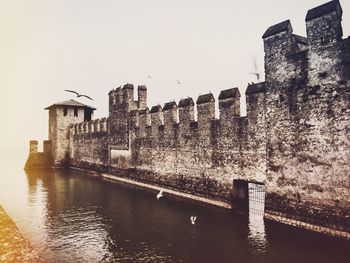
229, 93
255, 88
278, 28
156, 109
205, 98
324, 9
170, 105
186, 102
70, 102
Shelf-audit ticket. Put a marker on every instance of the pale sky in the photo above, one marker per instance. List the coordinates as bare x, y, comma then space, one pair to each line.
93, 46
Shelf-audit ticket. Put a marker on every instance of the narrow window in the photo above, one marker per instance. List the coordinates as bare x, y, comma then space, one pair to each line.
87, 115
65, 111
324, 41
75, 112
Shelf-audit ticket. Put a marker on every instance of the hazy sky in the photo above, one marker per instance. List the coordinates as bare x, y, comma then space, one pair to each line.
93, 46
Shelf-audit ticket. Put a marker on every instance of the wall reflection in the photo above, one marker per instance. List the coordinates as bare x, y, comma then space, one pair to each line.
256, 235
72, 217
68, 217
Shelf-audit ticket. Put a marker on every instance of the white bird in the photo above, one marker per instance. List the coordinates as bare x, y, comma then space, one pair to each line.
256, 74
160, 194
256, 71
193, 220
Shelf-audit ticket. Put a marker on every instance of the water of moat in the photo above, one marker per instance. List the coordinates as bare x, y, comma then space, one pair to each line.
71, 217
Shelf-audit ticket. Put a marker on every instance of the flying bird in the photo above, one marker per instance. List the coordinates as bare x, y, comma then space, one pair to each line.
148, 76
78, 95
256, 74
256, 70
193, 220
178, 81
160, 194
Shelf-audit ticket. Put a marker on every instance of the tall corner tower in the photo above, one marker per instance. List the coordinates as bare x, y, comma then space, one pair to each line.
61, 116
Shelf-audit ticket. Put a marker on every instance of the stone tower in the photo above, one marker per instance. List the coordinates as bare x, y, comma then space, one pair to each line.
61, 116
121, 103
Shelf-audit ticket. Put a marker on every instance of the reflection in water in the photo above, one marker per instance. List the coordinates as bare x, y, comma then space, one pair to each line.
71, 217
256, 235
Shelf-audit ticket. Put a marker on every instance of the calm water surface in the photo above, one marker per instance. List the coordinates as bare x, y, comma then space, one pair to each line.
71, 217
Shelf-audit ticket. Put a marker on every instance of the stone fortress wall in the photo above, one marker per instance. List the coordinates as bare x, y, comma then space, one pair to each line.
167, 146
295, 138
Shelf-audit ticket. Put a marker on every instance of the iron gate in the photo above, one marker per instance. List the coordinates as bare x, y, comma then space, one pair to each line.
256, 194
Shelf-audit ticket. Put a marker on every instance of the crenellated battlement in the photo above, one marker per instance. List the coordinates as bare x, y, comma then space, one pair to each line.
89, 127
38, 159
229, 103
315, 59
122, 98
175, 123
183, 113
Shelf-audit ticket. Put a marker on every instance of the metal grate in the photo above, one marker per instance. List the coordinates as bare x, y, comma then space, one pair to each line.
256, 194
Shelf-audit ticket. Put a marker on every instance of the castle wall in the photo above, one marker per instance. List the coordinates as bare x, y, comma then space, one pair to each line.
89, 144
307, 129
202, 157
295, 138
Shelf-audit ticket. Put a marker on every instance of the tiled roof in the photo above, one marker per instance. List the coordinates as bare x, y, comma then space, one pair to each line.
70, 102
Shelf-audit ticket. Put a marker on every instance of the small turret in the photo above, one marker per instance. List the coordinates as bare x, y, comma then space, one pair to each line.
142, 97
278, 39
229, 104
324, 34
157, 119
128, 93
323, 24
115, 99
205, 110
33, 147
170, 117
186, 112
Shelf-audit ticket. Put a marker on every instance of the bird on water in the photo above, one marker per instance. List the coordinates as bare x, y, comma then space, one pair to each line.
193, 220
160, 194
78, 95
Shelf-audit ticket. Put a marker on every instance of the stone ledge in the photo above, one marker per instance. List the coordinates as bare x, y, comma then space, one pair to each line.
13, 246
285, 220
166, 190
